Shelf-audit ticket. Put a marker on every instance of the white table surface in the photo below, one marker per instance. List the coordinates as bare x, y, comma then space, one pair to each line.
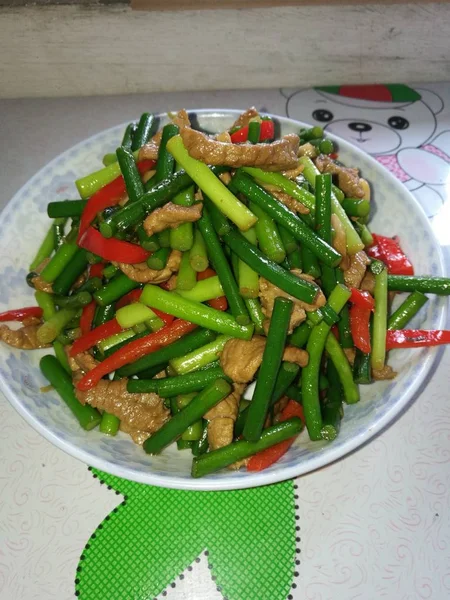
375, 524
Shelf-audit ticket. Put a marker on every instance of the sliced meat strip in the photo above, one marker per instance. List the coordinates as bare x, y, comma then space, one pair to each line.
268, 292
278, 408
307, 150
368, 282
277, 156
295, 205
354, 275
294, 173
37, 282
350, 353
295, 355
140, 414
240, 359
42, 286
82, 362
386, 372
171, 283
150, 150
181, 118
244, 119
292, 203
31, 321
221, 419
223, 136
171, 215
24, 338
348, 178
142, 273
224, 178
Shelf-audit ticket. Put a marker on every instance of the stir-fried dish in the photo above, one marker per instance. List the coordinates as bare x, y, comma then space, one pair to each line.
196, 265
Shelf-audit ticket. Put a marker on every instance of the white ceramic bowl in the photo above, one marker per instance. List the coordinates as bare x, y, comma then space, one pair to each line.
22, 227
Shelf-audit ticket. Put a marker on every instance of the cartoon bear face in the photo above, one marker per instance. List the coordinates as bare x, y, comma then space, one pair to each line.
375, 126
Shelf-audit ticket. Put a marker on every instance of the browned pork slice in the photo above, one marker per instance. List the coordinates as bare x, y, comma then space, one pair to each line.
356, 271
292, 203
25, 337
268, 292
240, 359
251, 114
348, 178
386, 372
150, 150
140, 414
142, 273
277, 156
171, 215
221, 418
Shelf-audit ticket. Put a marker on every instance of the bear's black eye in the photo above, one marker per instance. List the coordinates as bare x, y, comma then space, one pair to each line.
322, 115
398, 123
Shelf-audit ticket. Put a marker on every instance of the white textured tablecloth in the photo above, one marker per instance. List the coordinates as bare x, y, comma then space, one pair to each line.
376, 524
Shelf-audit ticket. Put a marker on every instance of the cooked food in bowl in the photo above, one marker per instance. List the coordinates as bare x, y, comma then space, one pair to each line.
196, 267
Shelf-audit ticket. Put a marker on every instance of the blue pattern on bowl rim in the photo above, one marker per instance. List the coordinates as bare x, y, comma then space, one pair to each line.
22, 226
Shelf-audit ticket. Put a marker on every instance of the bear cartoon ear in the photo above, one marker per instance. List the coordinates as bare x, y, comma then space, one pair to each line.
289, 92
431, 99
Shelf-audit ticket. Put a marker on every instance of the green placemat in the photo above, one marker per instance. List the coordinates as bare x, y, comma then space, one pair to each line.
250, 538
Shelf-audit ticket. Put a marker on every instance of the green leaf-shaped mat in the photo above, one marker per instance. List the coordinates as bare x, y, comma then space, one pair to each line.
156, 533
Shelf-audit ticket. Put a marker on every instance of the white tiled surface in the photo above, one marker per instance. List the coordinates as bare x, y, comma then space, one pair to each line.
374, 525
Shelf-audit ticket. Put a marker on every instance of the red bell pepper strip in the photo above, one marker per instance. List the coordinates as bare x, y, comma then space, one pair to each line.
416, 338
135, 350
87, 317
267, 132
129, 298
20, 314
109, 195
217, 303
392, 255
240, 135
96, 335
168, 319
374, 252
360, 327
268, 457
362, 299
111, 248
96, 270
292, 409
